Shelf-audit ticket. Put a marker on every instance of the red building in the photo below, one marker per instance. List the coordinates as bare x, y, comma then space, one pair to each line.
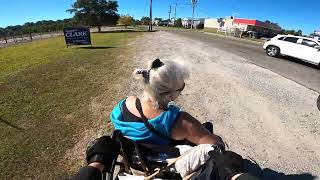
264, 28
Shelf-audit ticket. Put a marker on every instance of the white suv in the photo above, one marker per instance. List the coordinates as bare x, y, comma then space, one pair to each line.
306, 49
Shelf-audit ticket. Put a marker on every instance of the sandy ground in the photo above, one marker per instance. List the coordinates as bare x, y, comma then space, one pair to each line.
261, 115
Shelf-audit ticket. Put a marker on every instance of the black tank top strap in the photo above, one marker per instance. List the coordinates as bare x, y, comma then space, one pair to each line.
127, 116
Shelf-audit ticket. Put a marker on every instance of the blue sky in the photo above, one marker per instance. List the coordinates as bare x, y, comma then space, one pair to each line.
291, 14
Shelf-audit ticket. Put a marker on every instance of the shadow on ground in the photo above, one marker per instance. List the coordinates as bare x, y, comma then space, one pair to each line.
10, 124
268, 174
298, 61
95, 47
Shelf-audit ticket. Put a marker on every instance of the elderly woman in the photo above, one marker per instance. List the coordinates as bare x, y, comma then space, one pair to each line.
150, 118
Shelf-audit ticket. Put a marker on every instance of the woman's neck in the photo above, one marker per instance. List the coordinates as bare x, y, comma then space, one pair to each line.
153, 103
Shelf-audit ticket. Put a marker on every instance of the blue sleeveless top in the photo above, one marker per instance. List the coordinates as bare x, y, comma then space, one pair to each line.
137, 131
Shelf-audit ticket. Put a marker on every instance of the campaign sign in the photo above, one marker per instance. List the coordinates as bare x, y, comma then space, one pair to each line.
77, 36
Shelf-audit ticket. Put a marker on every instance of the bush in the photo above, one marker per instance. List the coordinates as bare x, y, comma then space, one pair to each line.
200, 26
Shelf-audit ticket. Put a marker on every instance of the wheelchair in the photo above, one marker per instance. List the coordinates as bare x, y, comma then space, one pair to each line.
140, 159
148, 160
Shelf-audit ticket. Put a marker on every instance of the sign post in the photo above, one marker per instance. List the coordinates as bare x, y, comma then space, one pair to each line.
77, 36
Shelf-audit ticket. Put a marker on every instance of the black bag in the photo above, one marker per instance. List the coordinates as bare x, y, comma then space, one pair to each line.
207, 172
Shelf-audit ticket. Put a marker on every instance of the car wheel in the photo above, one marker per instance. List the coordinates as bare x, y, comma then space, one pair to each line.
273, 51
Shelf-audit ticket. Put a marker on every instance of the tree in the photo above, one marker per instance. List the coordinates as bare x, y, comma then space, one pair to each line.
267, 21
95, 12
298, 33
38, 27
178, 22
145, 21
3, 34
286, 31
126, 20
158, 19
136, 22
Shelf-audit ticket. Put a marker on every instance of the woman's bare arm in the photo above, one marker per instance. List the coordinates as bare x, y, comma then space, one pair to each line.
189, 128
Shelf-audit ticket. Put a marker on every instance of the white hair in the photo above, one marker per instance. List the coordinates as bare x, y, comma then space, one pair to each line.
162, 78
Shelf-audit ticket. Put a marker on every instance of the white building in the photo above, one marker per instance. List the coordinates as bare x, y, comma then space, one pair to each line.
228, 24
218, 24
187, 22
155, 22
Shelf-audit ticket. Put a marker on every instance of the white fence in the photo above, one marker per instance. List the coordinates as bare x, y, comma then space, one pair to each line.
27, 38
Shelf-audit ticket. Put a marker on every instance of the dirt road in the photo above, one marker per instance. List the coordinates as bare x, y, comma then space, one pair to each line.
261, 115
299, 71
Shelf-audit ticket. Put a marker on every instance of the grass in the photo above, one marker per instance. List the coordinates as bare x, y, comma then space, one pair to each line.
210, 30
45, 92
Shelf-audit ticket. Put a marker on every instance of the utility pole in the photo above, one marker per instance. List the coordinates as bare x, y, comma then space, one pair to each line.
150, 23
194, 2
175, 10
233, 17
169, 15
233, 27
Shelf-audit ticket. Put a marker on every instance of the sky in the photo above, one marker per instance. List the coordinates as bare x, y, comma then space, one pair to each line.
289, 14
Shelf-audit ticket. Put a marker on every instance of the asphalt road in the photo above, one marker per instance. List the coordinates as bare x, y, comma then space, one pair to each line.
303, 73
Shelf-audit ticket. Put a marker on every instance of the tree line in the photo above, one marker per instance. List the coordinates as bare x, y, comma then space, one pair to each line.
95, 13
127, 20
292, 32
85, 13
36, 27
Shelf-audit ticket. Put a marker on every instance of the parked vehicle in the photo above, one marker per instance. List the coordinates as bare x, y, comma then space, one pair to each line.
306, 49
251, 34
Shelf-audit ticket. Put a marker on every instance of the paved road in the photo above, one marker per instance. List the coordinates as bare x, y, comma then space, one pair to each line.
300, 72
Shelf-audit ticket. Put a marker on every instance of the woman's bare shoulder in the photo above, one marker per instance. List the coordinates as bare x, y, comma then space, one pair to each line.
131, 98
130, 101
131, 105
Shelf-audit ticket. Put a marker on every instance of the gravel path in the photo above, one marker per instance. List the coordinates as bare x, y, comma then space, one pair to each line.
266, 118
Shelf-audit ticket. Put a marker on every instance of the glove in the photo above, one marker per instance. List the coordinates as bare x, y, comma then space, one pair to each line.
228, 163
103, 150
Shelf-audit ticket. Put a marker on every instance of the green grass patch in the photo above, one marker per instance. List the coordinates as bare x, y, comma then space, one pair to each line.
211, 30
45, 92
